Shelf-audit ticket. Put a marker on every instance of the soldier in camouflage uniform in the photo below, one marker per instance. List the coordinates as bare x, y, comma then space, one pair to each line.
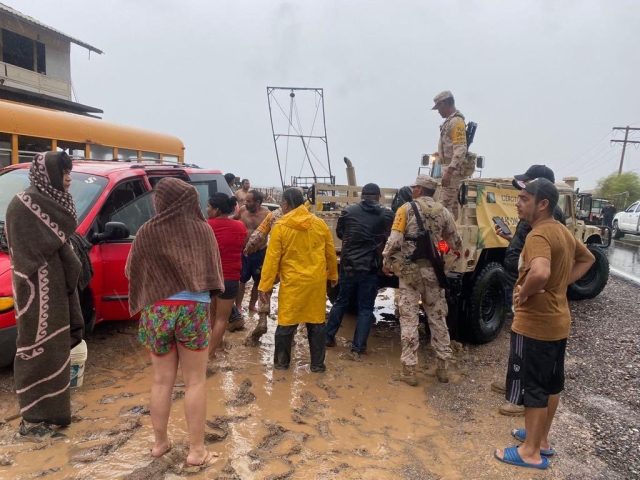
418, 281
452, 150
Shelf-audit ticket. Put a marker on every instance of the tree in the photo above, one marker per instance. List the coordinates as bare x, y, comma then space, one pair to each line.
612, 185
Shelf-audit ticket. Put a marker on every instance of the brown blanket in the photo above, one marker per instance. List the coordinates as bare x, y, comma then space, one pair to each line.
45, 275
174, 251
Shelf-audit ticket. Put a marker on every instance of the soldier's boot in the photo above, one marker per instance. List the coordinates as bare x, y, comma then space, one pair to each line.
511, 410
409, 375
442, 371
499, 387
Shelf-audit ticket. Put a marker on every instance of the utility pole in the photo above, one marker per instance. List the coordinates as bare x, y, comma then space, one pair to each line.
624, 142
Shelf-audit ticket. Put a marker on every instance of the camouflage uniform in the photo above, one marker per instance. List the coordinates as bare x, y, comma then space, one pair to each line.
422, 284
452, 150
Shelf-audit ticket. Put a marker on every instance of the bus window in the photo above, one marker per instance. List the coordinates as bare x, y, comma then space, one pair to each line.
170, 159
100, 152
5, 150
74, 149
125, 154
150, 157
29, 146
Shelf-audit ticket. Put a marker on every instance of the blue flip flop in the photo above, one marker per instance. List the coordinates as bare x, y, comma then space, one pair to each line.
512, 457
521, 435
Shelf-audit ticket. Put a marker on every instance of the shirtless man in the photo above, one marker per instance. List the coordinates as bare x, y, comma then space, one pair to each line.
252, 215
241, 194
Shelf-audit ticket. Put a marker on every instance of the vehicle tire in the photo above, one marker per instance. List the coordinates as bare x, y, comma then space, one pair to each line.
616, 232
594, 281
487, 307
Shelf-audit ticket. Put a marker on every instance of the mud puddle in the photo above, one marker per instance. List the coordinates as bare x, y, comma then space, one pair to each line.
356, 421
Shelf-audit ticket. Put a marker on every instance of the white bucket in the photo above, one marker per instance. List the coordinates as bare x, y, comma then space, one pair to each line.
78, 358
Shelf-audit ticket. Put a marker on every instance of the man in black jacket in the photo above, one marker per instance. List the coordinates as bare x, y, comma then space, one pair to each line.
363, 228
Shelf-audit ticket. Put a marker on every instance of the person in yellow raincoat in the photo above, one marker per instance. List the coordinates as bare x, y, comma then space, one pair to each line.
302, 254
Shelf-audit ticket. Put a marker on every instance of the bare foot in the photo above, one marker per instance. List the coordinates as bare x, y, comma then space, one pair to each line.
527, 459
253, 308
209, 459
160, 449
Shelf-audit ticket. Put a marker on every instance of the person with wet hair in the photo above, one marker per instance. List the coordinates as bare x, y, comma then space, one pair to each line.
45, 270
302, 253
230, 235
230, 178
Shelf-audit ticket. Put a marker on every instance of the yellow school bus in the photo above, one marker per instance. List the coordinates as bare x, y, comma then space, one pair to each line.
26, 129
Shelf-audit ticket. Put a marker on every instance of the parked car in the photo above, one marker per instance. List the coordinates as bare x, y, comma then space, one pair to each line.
627, 221
113, 201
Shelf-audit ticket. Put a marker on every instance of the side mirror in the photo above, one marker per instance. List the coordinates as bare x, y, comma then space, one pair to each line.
112, 231
426, 158
479, 162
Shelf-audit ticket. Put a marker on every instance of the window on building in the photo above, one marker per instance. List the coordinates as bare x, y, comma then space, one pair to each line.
23, 52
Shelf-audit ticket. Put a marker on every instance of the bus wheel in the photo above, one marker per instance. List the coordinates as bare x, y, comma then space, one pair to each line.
487, 309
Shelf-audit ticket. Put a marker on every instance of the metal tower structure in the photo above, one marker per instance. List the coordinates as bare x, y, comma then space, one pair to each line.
292, 123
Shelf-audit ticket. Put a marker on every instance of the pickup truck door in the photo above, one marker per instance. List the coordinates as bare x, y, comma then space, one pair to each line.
634, 220
626, 219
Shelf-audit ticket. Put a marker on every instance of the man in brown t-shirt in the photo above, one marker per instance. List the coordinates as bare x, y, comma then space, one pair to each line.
552, 259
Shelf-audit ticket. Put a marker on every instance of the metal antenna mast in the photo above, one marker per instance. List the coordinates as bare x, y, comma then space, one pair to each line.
294, 129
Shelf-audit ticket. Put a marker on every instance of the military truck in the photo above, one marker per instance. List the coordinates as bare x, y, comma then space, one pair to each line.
480, 296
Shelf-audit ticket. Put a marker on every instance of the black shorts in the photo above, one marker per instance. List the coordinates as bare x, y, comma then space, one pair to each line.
231, 288
252, 266
536, 370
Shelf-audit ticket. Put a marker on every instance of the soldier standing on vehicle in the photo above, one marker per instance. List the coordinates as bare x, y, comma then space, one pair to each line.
419, 279
452, 149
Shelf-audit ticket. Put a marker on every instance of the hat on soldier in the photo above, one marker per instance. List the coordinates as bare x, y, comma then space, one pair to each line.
425, 181
543, 189
440, 97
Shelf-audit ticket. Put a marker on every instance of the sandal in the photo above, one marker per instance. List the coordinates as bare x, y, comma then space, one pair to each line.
512, 457
520, 434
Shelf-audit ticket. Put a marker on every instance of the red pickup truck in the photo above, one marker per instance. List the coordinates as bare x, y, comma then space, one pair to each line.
104, 193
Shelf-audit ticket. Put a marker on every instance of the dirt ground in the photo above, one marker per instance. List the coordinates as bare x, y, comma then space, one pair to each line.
356, 421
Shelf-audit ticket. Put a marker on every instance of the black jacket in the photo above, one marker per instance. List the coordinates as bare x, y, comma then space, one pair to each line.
363, 228
512, 255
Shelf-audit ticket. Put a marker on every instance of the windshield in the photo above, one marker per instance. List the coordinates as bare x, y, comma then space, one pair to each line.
85, 189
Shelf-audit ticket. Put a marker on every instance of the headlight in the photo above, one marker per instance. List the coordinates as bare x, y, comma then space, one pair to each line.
6, 304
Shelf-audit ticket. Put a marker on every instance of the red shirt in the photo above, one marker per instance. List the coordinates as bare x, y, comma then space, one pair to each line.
231, 235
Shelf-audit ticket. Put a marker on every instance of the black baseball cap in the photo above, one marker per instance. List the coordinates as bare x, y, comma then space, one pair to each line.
371, 189
543, 189
535, 171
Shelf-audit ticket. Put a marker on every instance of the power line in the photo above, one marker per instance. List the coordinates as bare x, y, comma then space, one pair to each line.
587, 151
624, 143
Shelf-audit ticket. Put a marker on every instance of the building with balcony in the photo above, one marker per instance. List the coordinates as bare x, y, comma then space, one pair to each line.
35, 63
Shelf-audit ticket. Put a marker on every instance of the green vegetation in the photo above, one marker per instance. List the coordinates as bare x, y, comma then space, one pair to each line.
613, 185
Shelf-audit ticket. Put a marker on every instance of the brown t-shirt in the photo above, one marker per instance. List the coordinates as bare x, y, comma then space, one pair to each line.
546, 316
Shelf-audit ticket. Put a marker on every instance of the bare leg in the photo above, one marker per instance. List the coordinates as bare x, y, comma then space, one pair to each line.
552, 406
535, 421
194, 368
240, 296
254, 298
219, 324
164, 376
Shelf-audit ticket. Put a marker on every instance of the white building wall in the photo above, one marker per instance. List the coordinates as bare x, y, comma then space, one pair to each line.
58, 63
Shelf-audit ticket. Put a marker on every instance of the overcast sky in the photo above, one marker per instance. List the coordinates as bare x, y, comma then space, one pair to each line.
545, 80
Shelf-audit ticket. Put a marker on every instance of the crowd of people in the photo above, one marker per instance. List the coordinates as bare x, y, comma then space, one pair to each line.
188, 294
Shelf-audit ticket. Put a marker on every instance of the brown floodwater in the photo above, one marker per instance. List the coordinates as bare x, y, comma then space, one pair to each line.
354, 421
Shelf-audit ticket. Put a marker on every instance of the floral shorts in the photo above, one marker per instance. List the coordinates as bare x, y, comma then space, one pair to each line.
161, 326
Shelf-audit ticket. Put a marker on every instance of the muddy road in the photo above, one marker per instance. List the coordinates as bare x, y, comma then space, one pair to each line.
356, 421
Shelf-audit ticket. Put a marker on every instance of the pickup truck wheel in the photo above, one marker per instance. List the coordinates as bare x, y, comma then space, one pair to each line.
617, 233
487, 308
594, 281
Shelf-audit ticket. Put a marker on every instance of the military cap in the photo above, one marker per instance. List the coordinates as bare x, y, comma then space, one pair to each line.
425, 181
440, 97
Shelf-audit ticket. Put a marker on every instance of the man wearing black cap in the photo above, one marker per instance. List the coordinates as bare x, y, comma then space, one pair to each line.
363, 228
512, 256
552, 259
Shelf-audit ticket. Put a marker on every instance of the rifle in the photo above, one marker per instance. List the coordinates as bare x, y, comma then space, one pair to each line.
426, 250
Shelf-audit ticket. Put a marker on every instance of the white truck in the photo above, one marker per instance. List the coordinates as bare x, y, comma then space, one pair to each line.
627, 222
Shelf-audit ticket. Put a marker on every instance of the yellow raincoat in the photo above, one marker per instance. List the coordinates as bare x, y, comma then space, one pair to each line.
302, 253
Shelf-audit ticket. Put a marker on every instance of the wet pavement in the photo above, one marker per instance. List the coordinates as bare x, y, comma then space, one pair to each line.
624, 258
356, 421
